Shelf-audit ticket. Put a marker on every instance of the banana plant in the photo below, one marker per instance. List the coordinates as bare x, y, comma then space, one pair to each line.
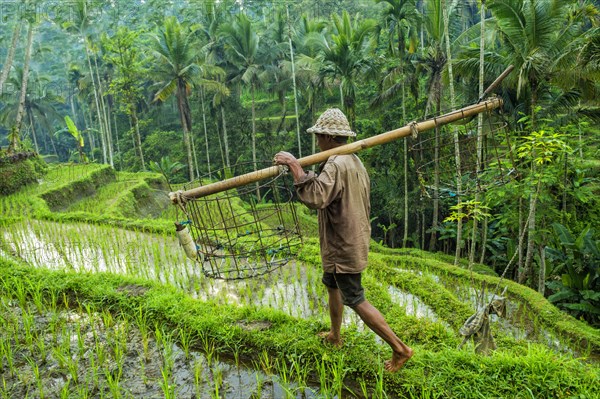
78, 136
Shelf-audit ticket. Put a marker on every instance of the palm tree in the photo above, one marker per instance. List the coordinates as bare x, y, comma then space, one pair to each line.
309, 64
347, 56
242, 46
80, 25
176, 56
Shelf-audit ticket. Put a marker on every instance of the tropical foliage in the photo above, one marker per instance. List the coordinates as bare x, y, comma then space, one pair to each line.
191, 88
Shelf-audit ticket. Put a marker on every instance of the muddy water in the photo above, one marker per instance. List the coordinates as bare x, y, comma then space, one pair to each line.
91, 355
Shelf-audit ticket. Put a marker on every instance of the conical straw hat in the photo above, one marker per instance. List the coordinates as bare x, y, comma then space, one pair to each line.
332, 122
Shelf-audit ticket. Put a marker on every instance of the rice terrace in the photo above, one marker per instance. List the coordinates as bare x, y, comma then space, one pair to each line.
179, 178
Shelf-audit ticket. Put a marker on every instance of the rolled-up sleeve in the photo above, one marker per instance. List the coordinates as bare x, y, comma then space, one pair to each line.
317, 192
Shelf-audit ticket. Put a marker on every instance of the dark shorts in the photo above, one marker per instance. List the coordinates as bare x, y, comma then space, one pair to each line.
350, 287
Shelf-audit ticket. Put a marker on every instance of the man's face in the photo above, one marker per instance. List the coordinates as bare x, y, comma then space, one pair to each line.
324, 142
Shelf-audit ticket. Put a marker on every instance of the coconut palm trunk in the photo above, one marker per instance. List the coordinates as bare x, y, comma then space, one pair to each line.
479, 165
33, 134
21, 110
205, 130
105, 118
405, 145
225, 138
457, 161
287, 10
138, 137
436, 182
97, 104
184, 113
10, 56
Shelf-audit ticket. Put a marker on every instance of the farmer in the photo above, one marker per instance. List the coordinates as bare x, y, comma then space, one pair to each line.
340, 193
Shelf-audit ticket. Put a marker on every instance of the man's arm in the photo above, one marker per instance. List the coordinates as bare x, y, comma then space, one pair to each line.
285, 158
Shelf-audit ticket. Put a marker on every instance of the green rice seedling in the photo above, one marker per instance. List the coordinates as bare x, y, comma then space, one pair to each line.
101, 354
198, 376
338, 371
21, 293
37, 296
166, 371
9, 356
113, 382
217, 373
28, 328
38, 378
322, 372
40, 346
266, 362
60, 357
107, 319
73, 367
208, 347
364, 390
142, 325
379, 392
81, 346
64, 392
5, 392
83, 391
284, 376
65, 300
301, 371
121, 332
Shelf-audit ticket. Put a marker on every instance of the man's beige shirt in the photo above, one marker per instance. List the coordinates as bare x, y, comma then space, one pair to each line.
340, 193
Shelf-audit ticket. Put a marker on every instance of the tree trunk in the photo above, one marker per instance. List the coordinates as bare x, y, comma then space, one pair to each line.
225, 138
184, 115
532, 197
254, 140
21, 109
457, 160
542, 274
194, 153
97, 103
287, 10
436, 185
405, 145
479, 164
33, 135
138, 136
10, 56
521, 237
114, 114
483, 239
205, 130
104, 116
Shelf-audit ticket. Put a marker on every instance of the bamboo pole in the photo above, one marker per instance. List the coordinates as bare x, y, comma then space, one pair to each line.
384, 138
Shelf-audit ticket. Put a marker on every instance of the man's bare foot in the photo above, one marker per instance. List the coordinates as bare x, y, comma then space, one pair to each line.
397, 360
330, 339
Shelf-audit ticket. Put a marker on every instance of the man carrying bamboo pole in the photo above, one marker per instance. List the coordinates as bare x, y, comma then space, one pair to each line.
340, 193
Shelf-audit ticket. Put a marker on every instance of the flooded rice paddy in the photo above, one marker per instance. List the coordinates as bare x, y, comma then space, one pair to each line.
294, 289
51, 353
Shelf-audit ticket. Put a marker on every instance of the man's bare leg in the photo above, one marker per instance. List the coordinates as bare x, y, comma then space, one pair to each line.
376, 322
336, 312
